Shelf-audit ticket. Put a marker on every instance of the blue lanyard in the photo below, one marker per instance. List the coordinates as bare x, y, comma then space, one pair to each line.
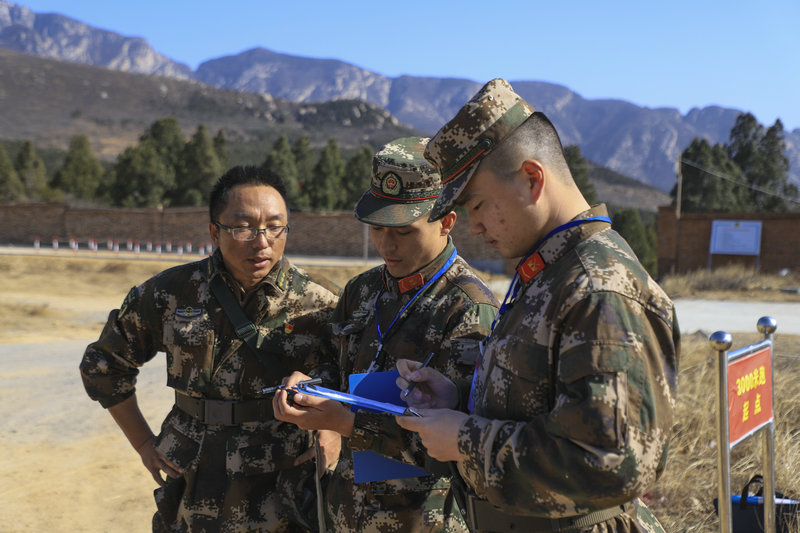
513, 292
516, 284
381, 336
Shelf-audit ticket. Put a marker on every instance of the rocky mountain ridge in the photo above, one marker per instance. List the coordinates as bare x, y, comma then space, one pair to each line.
636, 141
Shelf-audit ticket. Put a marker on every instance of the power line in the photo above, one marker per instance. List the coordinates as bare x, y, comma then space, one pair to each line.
739, 183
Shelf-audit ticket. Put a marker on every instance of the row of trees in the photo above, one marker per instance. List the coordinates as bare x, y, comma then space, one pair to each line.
165, 169
749, 173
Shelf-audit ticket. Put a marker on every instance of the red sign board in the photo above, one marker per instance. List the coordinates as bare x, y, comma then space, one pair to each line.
749, 394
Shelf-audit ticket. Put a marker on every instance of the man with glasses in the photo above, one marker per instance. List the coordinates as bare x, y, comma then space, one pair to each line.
231, 325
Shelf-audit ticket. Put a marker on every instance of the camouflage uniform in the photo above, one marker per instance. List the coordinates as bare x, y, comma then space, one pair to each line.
450, 318
574, 392
231, 471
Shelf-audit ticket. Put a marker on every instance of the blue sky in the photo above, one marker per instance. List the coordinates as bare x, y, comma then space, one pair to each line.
680, 54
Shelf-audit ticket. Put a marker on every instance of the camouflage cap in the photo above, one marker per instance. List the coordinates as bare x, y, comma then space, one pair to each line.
404, 185
458, 147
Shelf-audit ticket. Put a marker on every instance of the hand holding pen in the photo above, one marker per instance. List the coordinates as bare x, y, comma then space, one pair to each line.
414, 383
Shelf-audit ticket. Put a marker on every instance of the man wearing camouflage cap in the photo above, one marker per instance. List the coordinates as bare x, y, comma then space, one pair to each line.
569, 412
229, 464
424, 299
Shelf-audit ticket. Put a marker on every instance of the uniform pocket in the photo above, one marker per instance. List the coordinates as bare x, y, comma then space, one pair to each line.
189, 344
265, 451
592, 405
519, 381
176, 444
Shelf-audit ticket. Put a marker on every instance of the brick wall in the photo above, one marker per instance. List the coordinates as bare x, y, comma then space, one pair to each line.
334, 233
780, 241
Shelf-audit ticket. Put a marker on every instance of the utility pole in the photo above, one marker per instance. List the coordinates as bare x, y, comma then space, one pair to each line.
678, 195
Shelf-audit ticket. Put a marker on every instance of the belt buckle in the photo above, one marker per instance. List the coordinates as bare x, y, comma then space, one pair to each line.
218, 412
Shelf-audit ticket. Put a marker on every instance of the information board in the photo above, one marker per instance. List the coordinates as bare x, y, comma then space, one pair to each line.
735, 237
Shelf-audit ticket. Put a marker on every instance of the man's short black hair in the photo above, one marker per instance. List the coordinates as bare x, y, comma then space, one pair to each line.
242, 175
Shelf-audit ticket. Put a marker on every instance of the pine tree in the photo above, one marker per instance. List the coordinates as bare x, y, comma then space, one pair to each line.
166, 137
81, 173
357, 177
281, 162
31, 171
11, 187
326, 179
761, 156
220, 147
198, 171
703, 186
141, 178
304, 161
628, 223
579, 168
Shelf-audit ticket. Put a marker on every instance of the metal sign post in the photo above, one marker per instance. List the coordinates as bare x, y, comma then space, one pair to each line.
744, 408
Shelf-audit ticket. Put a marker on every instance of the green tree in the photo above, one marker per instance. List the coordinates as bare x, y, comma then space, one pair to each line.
166, 138
11, 187
304, 161
281, 161
628, 223
141, 178
220, 146
31, 171
326, 179
198, 171
760, 154
711, 181
81, 173
357, 177
579, 168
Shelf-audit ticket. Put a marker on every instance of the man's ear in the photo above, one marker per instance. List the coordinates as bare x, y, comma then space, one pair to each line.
533, 171
448, 221
213, 230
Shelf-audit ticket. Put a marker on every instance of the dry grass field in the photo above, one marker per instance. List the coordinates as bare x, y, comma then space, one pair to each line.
56, 478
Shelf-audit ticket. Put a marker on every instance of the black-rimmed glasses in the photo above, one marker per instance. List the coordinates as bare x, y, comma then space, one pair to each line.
245, 233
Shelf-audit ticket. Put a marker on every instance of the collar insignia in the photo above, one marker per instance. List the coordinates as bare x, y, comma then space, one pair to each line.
411, 282
280, 280
531, 267
288, 328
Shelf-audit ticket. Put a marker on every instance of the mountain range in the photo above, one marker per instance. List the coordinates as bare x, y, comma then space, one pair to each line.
636, 141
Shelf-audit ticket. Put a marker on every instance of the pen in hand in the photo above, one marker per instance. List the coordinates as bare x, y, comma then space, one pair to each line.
414, 383
276, 388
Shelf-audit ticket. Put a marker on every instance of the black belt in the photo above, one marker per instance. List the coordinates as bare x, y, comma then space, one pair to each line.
224, 412
483, 516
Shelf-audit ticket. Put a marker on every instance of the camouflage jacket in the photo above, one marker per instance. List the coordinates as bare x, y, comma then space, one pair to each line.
450, 318
175, 312
576, 387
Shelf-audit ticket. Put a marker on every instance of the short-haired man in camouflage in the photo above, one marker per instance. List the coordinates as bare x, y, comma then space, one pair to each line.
220, 446
425, 298
570, 410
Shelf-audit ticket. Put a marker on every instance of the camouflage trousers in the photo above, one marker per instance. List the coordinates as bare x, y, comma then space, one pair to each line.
353, 508
275, 502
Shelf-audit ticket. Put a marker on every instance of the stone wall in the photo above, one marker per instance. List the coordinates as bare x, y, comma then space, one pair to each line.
333, 233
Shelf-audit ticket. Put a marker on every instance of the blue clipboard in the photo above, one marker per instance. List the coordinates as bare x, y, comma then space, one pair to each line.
368, 465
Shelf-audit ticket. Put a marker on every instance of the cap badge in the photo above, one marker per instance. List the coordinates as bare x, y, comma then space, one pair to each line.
391, 184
